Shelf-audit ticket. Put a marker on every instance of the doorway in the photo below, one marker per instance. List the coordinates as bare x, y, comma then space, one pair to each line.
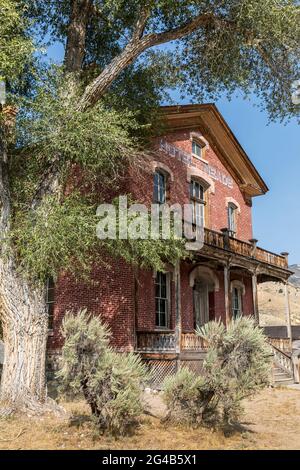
201, 303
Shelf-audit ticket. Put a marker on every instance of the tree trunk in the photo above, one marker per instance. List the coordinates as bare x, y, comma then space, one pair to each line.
23, 316
25, 324
75, 47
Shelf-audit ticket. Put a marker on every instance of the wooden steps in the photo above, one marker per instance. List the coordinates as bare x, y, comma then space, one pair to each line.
281, 377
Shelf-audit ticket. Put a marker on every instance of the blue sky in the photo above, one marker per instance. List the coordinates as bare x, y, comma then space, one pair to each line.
275, 151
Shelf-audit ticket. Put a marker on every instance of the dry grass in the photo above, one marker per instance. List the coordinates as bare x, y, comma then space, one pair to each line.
272, 421
271, 300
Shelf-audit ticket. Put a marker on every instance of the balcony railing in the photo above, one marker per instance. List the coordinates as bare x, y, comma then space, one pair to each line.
155, 341
192, 342
224, 241
165, 342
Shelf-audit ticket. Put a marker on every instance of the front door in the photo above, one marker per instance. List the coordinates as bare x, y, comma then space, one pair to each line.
201, 304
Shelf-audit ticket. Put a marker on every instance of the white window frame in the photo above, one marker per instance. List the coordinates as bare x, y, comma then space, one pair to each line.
237, 295
197, 145
165, 178
167, 300
232, 211
198, 202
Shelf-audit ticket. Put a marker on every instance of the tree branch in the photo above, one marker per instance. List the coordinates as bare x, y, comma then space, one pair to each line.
136, 46
141, 23
268, 61
75, 47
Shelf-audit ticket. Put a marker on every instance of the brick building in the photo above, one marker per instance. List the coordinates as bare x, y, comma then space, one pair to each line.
197, 160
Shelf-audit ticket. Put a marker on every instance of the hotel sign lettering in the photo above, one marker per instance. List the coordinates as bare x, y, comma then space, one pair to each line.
187, 158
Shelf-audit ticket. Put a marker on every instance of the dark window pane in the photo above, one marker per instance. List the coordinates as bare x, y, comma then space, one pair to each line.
157, 290
159, 194
162, 305
163, 292
161, 300
50, 295
163, 319
50, 308
50, 292
196, 149
197, 191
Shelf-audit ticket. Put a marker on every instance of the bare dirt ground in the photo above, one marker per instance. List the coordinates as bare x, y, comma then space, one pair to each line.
271, 421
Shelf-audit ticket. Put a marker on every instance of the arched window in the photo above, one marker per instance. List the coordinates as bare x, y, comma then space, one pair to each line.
237, 302
232, 219
160, 187
198, 201
197, 148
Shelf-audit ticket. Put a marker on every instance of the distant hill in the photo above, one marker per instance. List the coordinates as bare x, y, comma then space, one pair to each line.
295, 279
271, 300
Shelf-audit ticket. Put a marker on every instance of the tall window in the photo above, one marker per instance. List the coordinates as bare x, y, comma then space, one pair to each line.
160, 187
232, 211
162, 300
197, 195
196, 149
237, 307
50, 301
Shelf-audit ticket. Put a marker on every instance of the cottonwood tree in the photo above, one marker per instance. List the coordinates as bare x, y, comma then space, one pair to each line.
111, 64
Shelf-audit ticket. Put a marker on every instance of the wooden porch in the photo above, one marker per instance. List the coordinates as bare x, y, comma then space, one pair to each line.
165, 342
223, 241
165, 351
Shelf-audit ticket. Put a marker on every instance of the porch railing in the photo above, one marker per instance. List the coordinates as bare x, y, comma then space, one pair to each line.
192, 342
283, 360
284, 344
165, 342
155, 341
224, 241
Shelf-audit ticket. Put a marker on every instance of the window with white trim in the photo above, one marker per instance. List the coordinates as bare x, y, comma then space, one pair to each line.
50, 301
162, 300
197, 149
237, 304
197, 197
160, 187
232, 215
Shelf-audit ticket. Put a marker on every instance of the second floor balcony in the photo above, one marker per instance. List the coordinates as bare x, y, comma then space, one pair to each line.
223, 241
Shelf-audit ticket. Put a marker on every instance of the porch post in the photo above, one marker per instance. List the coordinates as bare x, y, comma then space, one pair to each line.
255, 298
226, 292
288, 313
177, 308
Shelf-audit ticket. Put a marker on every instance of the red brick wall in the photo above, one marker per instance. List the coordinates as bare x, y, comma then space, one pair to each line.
141, 186
110, 293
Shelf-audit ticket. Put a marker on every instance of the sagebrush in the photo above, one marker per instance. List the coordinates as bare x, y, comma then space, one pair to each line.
110, 382
236, 366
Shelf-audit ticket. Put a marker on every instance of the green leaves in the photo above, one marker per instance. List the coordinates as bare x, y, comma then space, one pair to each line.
16, 47
248, 46
254, 49
237, 365
110, 382
51, 125
59, 235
